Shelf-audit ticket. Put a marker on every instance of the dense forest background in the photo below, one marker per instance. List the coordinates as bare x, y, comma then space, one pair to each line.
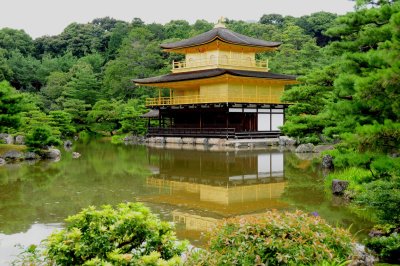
80, 80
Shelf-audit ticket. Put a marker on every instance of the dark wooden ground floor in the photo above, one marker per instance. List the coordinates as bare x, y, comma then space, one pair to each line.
208, 121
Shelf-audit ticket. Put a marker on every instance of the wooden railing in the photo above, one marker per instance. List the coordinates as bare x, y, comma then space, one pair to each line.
192, 132
198, 99
210, 133
222, 62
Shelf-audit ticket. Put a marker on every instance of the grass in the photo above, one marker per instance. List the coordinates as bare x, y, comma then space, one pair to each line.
8, 147
354, 175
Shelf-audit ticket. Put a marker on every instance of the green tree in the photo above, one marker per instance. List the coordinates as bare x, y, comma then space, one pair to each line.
16, 40
61, 121
177, 29
138, 57
5, 70
24, 72
83, 85
40, 138
105, 116
10, 106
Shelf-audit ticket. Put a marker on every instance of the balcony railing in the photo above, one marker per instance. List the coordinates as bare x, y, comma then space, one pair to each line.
220, 62
198, 99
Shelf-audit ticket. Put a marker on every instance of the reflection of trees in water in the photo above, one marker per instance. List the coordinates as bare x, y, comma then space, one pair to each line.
48, 192
305, 190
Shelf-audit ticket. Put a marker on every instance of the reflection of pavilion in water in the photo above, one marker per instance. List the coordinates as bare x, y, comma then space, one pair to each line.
207, 186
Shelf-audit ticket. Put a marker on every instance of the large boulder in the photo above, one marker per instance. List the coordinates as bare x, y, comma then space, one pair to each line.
54, 154
327, 162
13, 155
339, 186
286, 141
305, 148
20, 140
6, 138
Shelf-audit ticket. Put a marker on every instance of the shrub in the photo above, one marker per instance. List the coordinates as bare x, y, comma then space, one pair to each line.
275, 239
126, 235
40, 138
384, 198
386, 247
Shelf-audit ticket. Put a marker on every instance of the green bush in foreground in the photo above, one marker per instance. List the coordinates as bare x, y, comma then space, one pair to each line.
386, 247
275, 239
126, 235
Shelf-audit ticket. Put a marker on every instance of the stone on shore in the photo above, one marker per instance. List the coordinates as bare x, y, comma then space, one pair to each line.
305, 148
286, 141
13, 155
6, 138
20, 140
339, 186
327, 162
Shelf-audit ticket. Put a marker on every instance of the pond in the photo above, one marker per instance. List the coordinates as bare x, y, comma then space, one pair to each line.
192, 187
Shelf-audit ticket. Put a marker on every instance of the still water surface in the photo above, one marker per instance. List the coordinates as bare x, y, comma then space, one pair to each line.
193, 188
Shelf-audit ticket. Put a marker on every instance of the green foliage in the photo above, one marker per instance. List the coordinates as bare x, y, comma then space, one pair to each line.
361, 100
16, 40
105, 115
41, 138
126, 235
275, 239
354, 175
384, 197
61, 121
10, 106
386, 247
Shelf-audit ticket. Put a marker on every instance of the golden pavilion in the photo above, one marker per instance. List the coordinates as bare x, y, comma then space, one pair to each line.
220, 89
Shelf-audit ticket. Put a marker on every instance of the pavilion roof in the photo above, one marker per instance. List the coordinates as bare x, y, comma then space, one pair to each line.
222, 34
210, 73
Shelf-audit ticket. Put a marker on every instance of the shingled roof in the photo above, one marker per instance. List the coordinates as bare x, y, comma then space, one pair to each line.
210, 73
222, 34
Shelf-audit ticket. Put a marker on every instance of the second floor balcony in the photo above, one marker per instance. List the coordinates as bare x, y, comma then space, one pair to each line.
220, 62
198, 99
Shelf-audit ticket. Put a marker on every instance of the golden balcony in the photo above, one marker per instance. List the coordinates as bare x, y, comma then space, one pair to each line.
220, 62
198, 99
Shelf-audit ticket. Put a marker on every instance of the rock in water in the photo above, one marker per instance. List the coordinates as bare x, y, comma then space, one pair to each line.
339, 186
54, 154
31, 156
76, 155
68, 144
327, 162
305, 148
2, 161
12, 155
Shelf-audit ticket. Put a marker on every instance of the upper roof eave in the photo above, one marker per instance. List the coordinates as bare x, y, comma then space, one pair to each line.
222, 34
210, 73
